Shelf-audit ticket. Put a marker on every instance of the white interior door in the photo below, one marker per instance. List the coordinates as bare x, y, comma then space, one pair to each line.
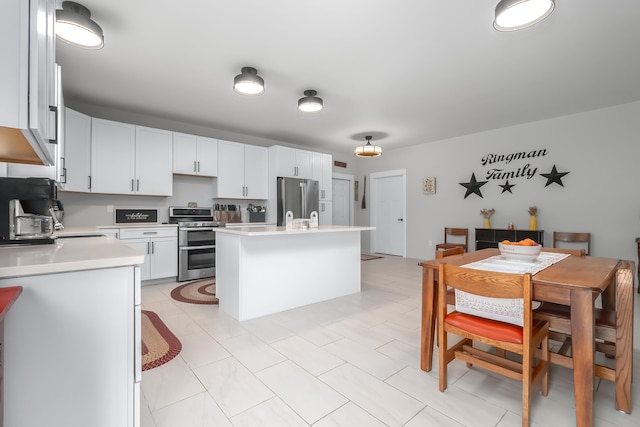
342, 188
388, 207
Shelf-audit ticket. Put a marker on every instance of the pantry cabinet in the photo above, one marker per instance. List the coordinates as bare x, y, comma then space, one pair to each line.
195, 155
28, 108
323, 173
129, 159
290, 162
242, 171
160, 246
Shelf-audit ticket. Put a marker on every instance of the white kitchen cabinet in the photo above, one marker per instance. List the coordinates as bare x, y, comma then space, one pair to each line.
323, 173
290, 162
87, 322
242, 171
55, 171
128, 159
112, 157
195, 155
160, 246
27, 81
325, 216
77, 153
153, 162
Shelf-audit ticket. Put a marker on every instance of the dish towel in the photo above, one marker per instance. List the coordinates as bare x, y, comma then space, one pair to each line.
503, 309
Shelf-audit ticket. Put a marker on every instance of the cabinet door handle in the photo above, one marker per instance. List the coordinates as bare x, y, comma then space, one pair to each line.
137, 185
149, 232
148, 248
195, 167
131, 185
322, 192
55, 112
198, 166
153, 248
323, 207
89, 187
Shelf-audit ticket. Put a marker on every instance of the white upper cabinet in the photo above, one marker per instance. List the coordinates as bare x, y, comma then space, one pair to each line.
195, 155
112, 157
242, 171
128, 159
290, 162
77, 156
153, 162
323, 173
28, 82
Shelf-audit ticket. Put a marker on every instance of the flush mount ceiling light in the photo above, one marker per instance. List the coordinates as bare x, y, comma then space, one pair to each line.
248, 82
368, 150
75, 26
514, 15
310, 103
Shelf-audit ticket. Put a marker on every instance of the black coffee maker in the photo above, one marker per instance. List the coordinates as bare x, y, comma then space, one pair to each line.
25, 205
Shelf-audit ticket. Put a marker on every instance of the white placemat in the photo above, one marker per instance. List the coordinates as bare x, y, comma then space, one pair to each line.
503, 309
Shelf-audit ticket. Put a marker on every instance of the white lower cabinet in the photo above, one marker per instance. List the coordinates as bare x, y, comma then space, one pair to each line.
160, 246
325, 216
71, 350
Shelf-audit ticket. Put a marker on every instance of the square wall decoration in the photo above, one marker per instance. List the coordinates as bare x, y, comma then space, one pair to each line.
429, 185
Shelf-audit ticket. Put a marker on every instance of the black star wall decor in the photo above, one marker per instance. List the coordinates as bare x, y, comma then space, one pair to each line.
507, 187
473, 186
554, 176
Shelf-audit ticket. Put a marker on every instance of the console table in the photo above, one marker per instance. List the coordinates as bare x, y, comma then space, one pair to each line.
490, 237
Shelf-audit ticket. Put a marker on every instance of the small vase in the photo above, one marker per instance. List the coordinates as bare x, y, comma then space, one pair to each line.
487, 223
533, 222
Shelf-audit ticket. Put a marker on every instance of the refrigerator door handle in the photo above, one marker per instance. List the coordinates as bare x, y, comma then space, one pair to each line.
303, 199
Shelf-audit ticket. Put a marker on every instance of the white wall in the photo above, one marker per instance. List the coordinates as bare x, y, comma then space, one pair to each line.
600, 149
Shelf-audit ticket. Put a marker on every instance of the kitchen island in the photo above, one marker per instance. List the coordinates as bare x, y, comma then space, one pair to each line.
265, 270
72, 340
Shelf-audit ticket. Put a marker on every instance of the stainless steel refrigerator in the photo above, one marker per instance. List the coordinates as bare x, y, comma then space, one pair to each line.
300, 196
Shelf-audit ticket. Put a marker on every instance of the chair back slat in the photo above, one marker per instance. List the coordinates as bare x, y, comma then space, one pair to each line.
458, 250
485, 283
570, 237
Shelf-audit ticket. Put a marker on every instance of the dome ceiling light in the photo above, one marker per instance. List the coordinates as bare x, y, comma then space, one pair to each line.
248, 82
310, 103
512, 15
368, 150
75, 26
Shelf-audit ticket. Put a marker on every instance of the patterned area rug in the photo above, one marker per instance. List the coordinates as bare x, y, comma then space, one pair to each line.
197, 292
159, 345
368, 257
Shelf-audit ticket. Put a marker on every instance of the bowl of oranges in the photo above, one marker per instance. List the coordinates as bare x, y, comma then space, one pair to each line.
523, 250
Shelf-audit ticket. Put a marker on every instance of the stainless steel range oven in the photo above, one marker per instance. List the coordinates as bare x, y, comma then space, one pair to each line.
196, 242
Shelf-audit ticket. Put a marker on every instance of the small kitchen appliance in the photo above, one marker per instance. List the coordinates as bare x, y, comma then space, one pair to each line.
196, 241
25, 210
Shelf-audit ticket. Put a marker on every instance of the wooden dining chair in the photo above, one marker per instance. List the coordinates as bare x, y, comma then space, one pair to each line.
614, 335
459, 233
521, 339
572, 238
458, 250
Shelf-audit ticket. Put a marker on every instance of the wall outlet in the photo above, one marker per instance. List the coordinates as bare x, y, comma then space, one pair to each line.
110, 208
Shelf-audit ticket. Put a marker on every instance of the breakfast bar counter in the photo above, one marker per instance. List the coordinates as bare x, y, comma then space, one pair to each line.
265, 270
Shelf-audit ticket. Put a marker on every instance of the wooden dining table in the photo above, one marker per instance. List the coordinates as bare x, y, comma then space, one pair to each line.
573, 281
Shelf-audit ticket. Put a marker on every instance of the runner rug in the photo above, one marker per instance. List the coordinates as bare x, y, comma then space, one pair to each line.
159, 345
197, 292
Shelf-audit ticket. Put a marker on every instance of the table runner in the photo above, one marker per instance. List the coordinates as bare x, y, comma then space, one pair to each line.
503, 309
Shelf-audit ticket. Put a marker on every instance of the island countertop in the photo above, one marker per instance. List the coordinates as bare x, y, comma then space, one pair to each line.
65, 255
271, 230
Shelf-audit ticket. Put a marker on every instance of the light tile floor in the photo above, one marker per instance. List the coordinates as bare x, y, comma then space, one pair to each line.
351, 361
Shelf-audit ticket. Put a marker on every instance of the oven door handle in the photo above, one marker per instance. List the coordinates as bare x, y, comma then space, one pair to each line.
189, 248
197, 229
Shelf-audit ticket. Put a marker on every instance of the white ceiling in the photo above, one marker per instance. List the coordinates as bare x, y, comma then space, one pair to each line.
405, 71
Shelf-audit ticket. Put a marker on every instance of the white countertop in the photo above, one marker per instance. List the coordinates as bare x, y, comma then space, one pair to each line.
71, 254
272, 230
